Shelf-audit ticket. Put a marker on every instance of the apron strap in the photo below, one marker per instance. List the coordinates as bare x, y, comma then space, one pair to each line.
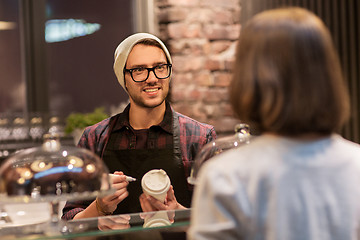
112, 123
176, 138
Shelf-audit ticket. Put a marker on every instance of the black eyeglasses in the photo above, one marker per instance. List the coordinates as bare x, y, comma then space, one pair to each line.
141, 74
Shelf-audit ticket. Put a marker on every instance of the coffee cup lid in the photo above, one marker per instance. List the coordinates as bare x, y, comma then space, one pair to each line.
156, 180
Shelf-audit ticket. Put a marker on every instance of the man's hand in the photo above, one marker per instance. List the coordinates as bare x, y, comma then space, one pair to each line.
108, 204
151, 204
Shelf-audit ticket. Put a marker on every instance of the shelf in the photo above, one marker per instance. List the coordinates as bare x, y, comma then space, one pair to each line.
9, 147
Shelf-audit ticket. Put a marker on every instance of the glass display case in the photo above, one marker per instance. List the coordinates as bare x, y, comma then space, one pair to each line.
34, 181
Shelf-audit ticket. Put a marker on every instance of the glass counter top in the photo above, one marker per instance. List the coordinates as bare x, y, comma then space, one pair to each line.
152, 225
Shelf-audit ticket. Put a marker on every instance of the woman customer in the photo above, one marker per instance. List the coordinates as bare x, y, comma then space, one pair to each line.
299, 179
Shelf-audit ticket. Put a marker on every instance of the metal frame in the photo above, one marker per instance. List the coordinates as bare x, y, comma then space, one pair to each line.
32, 22
144, 12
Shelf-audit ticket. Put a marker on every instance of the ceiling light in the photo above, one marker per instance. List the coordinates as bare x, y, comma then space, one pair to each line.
7, 25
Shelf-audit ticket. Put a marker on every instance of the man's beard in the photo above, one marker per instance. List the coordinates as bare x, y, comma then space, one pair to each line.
139, 102
144, 105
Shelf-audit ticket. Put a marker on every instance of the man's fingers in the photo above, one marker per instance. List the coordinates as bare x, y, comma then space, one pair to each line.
170, 194
156, 203
122, 196
146, 204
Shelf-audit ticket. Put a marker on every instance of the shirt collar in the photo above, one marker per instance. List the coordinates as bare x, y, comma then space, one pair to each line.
165, 124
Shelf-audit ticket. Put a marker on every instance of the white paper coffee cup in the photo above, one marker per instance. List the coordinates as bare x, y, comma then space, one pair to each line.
111, 177
156, 183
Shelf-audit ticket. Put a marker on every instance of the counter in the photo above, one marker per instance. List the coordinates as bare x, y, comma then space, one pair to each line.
155, 225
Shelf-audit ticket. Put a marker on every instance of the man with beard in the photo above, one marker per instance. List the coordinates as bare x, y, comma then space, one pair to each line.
147, 135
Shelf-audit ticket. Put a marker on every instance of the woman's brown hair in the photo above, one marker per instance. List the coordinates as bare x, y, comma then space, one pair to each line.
287, 76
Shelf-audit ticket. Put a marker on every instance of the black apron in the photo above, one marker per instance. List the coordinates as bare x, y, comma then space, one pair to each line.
137, 162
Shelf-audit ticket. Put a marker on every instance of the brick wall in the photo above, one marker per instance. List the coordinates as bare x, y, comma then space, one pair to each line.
201, 36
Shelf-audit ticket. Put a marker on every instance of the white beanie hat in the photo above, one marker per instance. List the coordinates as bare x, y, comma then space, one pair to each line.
125, 47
